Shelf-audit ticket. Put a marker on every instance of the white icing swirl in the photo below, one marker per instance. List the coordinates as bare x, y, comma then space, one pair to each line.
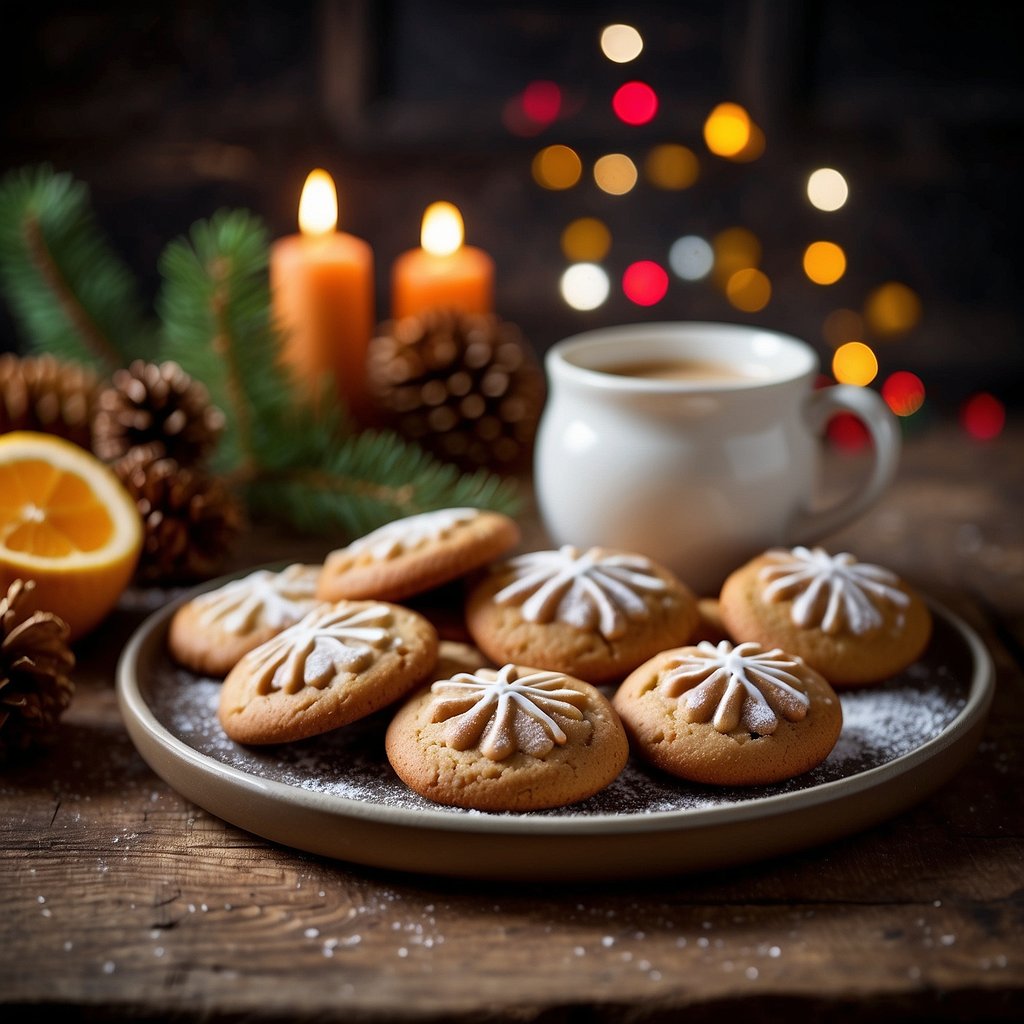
412, 532
263, 598
836, 593
329, 640
503, 712
743, 686
586, 589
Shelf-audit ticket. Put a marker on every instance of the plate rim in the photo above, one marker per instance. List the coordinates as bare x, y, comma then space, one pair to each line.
139, 716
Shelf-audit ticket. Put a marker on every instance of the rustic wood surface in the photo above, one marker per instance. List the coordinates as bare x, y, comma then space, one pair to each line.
122, 900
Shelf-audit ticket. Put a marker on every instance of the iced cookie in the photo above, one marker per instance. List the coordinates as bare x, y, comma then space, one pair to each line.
856, 623
508, 739
729, 716
412, 555
595, 614
340, 663
209, 633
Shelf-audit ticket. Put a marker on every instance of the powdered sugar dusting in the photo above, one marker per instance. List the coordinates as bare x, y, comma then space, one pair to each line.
880, 724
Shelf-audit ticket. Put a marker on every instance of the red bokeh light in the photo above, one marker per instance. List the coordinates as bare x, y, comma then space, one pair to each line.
983, 416
903, 392
846, 431
645, 283
542, 102
635, 103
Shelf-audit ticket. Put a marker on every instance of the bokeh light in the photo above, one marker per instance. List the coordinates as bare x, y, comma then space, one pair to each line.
585, 286
735, 249
635, 103
621, 43
903, 392
754, 147
854, 363
749, 290
615, 174
727, 129
542, 102
586, 240
691, 258
645, 283
842, 325
848, 432
892, 309
824, 262
557, 167
827, 189
983, 416
671, 166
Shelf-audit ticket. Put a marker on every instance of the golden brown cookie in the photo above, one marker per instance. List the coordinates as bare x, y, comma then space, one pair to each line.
415, 554
455, 656
212, 631
856, 623
510, 739
595, 614
729, 716
340, 663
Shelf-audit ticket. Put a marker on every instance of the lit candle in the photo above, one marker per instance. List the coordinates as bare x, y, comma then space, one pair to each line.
323, 296
442, 272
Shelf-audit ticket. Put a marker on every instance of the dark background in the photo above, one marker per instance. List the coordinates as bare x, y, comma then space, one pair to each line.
171, 111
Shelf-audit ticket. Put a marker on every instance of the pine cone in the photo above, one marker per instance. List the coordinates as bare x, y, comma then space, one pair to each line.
156, 406
465, 387
35, 660
44, 394
190, 518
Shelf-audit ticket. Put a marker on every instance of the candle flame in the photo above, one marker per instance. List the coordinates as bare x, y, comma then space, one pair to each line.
318, 204
442, 231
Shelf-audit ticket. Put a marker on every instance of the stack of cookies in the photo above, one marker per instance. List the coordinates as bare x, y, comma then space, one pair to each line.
524, 681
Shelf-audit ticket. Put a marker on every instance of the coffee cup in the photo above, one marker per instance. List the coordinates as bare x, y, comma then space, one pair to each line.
696, 444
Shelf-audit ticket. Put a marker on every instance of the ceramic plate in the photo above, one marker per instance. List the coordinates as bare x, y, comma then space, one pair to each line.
336, 794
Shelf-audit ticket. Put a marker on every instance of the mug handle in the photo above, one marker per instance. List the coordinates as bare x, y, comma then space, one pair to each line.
869, 407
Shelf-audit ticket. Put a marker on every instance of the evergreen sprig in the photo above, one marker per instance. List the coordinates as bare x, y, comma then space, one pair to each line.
298, 460
72, 295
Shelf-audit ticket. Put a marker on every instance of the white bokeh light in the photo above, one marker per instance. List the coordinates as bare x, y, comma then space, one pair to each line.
585, 286
691, 257
621, 43
827, 189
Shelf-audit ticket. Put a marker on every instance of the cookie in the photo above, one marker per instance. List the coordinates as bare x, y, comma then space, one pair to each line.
856, 623
507, 739
341, 662
729, 715
415, 554
455, 656
595, 614
709, 622
211, 632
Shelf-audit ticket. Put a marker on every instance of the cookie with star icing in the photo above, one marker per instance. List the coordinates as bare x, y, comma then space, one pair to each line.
855, 622
210, 632
729, 715
507, 739
339, 663
416, 554
594, 613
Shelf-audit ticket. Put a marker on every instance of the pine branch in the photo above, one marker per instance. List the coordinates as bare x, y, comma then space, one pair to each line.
69, 294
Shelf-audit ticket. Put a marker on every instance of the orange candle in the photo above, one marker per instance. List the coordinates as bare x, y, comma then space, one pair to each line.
442, 272
322, 285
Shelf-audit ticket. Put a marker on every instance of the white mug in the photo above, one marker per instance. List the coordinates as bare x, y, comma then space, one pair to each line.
696, 444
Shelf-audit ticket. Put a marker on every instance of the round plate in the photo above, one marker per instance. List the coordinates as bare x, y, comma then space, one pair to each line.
336, 795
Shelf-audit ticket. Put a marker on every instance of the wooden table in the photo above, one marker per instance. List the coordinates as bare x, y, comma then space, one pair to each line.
122, 900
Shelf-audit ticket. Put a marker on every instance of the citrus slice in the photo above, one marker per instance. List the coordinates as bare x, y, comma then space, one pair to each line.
68, 523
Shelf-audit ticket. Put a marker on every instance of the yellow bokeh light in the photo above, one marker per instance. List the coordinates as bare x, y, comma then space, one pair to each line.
615, 174
842, 325
827, 189
557, 167
621, 43
748, 290
586, 240
824, 262
735, 249
671, 167
892, 309
727, 130
854, 363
